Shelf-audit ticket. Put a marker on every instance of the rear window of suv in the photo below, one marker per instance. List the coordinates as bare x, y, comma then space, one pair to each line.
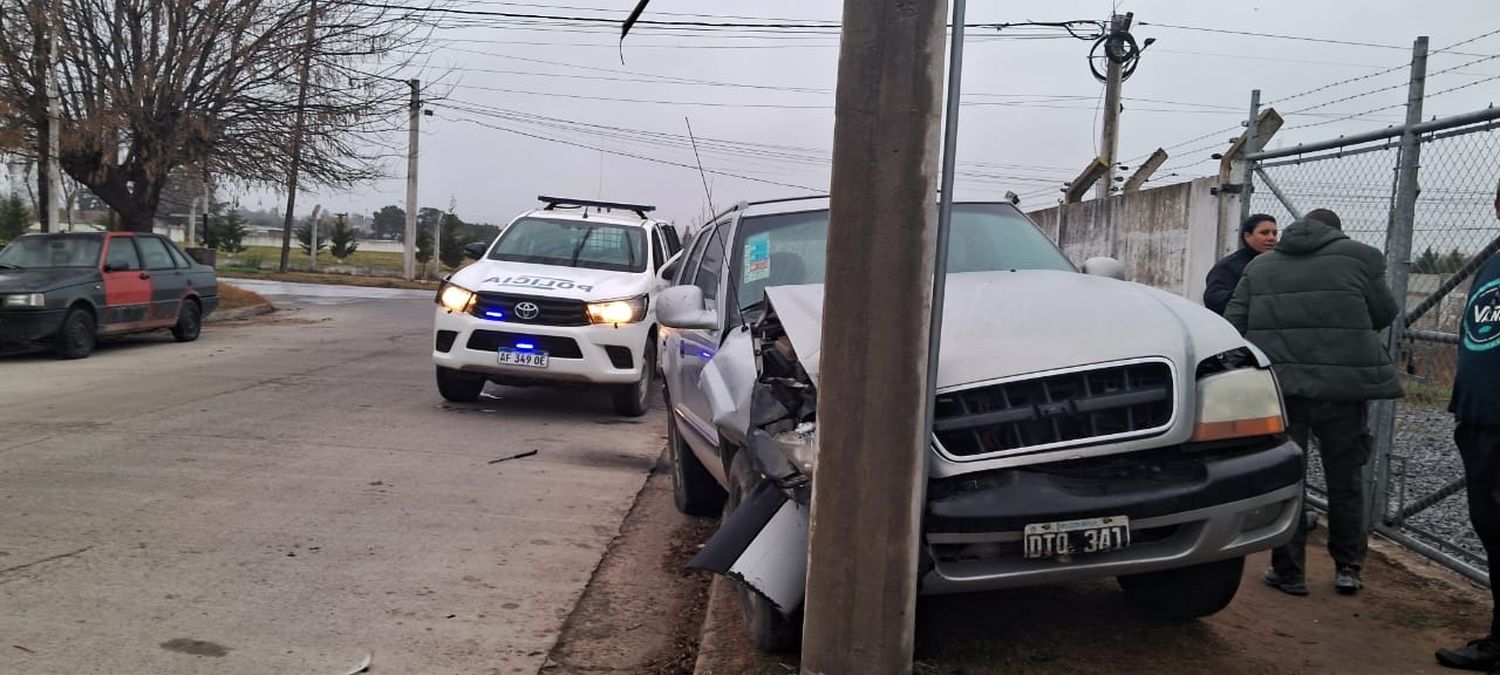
573, 243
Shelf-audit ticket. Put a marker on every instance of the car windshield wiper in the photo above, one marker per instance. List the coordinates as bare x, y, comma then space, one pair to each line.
578, 249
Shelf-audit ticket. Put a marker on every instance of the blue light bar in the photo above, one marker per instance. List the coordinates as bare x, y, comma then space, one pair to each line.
494, 314
525, 346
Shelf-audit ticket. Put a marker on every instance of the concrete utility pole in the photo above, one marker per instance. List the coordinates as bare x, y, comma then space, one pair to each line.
409, 251
291, 188
313, 225
865, 526
1109, 138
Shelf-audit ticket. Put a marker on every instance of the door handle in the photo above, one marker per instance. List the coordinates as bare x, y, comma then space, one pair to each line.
145, 275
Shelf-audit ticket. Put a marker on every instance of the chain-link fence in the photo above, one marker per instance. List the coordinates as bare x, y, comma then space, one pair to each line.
1440, 226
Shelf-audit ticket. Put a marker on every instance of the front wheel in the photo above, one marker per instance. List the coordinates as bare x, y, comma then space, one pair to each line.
458, 386
694, 490
77, 335
1187, 592
770, 630
633, 400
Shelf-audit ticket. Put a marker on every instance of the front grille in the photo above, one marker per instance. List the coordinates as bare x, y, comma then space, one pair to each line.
550, 311
495, 340
1066, 409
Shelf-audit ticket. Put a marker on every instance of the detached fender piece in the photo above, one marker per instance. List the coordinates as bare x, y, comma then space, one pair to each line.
728, 380
763, 545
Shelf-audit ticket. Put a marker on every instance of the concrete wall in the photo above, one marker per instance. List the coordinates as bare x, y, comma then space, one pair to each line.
1167, 237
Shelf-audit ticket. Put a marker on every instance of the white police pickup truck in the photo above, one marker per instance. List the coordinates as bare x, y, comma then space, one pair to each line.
565, 294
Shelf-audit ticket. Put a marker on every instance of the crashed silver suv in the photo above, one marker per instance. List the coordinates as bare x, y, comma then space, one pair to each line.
1084, 426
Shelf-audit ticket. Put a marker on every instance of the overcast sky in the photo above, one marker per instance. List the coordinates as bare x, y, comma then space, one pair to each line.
1030, 119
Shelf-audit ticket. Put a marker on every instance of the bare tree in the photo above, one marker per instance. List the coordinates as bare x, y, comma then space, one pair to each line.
151, 86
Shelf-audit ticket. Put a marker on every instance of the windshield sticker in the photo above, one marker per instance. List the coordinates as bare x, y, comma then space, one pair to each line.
758, 257
529, 281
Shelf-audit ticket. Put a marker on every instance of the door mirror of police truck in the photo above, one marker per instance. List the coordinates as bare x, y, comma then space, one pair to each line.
475, 250
1104, 267
683, 307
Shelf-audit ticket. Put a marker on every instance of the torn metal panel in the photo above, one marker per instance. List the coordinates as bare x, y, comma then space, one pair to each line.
800, 309
728, 380
763, 545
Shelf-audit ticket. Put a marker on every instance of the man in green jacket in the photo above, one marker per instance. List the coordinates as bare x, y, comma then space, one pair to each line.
1315, 305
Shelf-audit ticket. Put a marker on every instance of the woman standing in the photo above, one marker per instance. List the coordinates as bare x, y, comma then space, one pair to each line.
1257, 235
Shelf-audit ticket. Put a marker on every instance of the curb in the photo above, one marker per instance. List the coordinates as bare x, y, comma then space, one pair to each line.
712, 644
240, 313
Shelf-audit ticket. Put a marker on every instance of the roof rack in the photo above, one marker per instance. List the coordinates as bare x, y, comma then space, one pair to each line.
554, 202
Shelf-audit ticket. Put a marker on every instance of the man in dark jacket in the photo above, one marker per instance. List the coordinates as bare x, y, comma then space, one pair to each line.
1476, 406
1315, 306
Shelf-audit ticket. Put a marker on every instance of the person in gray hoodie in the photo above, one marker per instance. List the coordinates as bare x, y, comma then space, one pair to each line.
1315, 305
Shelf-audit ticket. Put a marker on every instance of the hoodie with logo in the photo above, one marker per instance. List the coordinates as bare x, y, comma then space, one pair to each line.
1315, 305
1476, 387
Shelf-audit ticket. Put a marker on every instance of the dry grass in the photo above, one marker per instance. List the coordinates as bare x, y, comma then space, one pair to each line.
339, 279
233, 297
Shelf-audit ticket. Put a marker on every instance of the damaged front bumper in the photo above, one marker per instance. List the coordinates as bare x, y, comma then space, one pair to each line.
1184, 508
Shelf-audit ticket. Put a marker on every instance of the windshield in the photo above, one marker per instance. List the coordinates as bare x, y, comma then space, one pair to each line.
791, 248
573, 243
51, 251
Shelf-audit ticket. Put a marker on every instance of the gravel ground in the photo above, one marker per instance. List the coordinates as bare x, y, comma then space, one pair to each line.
1424, 438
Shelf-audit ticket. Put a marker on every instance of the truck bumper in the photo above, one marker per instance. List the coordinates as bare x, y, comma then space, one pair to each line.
595, 354
1185, 508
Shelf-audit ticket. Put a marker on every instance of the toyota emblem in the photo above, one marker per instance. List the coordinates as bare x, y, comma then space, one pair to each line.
527, 310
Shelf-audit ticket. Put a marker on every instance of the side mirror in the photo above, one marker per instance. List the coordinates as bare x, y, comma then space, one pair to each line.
668, 270
475, 249
683, 307
1104, 267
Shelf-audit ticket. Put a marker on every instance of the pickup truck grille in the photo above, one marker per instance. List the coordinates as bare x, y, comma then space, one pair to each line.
550, 311
1063, 409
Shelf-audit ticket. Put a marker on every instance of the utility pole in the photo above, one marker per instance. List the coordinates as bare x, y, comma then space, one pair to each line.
1398, 267
291, 191
52, 190
409, 251
865, 529
1109, 138
313, 225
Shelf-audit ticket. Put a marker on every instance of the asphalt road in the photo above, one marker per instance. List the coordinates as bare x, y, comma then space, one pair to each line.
290, 495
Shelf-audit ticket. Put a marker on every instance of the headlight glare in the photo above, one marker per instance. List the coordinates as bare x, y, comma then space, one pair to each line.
26, 300
1238, 403
456, 299
618, 311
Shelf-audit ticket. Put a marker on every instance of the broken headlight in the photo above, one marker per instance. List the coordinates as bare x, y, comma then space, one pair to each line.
1238, 403
800, 445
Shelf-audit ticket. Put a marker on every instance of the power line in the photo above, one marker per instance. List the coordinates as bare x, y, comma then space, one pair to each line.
1301, 38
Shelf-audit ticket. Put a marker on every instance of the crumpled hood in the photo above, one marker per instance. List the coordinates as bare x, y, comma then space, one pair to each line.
43, 280
1306, 236
551, 280
1002, 324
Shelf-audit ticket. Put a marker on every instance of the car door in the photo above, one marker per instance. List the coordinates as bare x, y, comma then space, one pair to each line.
698, 346
168, 281
127, 285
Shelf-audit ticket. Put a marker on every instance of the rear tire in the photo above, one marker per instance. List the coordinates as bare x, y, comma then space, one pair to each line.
77, 335
189, 322
634, 400
770, 630
458, 386
694, 489
1185, 593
